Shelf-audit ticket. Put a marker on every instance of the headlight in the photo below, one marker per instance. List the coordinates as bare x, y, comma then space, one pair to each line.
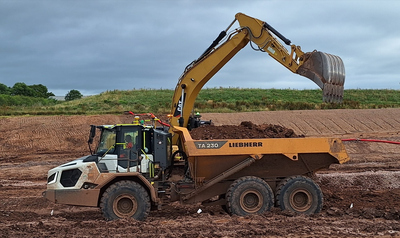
52, 178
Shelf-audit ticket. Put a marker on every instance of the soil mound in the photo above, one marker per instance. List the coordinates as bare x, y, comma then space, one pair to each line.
246, 130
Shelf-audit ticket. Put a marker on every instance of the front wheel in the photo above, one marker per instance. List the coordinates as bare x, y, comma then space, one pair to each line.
249, 195
125, 199
299, 194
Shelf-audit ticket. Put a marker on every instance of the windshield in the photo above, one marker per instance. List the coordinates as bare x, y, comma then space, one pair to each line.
107, 142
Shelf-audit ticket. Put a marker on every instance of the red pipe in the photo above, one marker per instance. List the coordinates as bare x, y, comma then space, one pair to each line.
369, 140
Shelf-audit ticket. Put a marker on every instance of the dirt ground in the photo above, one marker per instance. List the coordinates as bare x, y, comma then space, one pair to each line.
361, 197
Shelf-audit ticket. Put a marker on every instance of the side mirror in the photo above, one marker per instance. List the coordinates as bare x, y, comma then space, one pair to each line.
92, 133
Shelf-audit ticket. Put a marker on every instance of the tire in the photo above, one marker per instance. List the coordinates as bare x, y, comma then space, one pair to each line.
299, 194
249, 195
224, 207
125, 199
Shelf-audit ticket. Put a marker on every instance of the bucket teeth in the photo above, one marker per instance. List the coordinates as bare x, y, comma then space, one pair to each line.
333, 93
327, 71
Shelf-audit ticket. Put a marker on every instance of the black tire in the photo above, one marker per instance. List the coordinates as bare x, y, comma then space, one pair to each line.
224, 207
299, 194
249, 195
125, 199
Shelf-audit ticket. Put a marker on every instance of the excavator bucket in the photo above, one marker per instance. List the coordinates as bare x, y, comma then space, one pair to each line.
327, 71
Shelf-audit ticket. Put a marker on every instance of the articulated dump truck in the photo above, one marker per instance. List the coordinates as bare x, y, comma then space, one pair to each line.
129, 172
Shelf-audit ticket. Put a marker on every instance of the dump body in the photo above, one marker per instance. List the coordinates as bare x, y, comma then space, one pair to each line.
274, 157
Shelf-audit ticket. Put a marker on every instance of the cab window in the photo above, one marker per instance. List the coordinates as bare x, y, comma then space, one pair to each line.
107, 142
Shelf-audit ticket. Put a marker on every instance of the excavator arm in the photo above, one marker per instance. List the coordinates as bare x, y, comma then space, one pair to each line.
326, 70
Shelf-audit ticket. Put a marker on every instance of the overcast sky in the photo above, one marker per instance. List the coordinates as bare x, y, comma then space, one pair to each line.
95, 46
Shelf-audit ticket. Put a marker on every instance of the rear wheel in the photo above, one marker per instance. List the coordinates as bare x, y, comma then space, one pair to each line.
299, 194
224, 207
125, 199
249, 195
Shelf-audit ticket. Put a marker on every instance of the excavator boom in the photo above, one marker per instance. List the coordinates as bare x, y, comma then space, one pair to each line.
326, 70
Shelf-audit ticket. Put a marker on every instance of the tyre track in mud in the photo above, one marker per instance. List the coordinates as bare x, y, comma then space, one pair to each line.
63, 135
319, 122
370, 181
49, 134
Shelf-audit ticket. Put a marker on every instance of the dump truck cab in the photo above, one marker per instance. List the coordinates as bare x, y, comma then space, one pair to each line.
135, 152
131, 148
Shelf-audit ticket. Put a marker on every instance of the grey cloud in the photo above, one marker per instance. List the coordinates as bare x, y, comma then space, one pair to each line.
94, 46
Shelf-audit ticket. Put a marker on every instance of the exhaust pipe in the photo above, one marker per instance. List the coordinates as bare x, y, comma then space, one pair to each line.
327, 71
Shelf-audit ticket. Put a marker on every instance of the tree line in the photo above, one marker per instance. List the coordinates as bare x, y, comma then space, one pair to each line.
36, 91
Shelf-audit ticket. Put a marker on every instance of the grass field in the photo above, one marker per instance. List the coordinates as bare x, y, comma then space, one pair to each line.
209, 100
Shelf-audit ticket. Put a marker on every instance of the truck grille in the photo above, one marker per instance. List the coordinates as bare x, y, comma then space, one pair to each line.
70, 177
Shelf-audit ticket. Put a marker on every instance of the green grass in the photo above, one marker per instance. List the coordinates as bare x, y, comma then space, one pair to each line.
209, 100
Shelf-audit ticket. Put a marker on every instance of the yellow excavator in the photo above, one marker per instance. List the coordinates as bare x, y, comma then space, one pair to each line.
326, 70
129, 171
